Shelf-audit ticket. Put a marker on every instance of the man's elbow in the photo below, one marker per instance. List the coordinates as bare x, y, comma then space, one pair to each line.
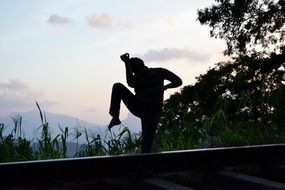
176, 83
179, 82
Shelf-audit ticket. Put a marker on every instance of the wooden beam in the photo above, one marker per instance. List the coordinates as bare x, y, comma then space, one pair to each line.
138, 165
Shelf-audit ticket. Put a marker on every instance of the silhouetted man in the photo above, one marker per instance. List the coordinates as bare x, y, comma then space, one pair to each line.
147, 101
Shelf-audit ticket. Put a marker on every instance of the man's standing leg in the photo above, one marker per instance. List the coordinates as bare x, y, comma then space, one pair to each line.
149, 122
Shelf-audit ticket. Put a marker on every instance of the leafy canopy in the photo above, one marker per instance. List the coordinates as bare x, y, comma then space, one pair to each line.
247, 25
247, 91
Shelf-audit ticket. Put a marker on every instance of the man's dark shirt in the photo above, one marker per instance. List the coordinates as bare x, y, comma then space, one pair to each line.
149, 86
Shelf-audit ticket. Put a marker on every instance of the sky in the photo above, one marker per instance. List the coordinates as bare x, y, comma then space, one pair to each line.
66, 54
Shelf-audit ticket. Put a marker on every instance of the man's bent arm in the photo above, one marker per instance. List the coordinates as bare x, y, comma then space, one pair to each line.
175, 81
129, 74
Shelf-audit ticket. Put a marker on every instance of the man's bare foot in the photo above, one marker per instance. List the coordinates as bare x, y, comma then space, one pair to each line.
114, 121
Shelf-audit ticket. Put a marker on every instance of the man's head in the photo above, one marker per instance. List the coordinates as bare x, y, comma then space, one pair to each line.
137, 65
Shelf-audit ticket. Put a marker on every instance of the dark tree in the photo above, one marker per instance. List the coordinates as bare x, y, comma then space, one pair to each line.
247, 25
246, 91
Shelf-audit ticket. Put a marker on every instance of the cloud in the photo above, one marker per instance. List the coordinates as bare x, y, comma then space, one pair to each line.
169, 20
18, 96
100, 21
168, 54
58, 20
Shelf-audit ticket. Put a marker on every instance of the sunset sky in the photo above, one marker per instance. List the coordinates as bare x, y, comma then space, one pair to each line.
66, 54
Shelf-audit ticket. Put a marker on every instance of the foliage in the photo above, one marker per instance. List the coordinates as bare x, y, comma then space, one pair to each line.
246, 25
216, 130
250, 85
239, 102
254, 30
122, 143
48, 147
14, 147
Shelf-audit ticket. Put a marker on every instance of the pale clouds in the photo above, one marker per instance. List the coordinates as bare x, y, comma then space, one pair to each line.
105, 21
16, 95
168, 54
169, 20
58, 20
100, 21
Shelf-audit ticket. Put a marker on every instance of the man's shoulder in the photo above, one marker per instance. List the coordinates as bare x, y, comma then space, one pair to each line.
157, 69
160, 71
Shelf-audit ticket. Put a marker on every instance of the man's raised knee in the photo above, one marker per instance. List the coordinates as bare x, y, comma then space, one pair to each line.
118, 85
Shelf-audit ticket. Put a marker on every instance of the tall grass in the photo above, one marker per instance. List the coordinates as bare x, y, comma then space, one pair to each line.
213, 131
123, 143
15, 146
113, 144
47, 147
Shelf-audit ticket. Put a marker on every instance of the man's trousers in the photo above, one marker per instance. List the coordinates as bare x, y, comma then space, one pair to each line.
138, 107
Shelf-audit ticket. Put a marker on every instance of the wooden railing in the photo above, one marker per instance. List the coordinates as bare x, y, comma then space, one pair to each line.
247, 167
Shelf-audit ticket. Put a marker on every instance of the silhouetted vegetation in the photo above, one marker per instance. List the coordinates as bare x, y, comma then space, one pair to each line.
239, 102
247, 26
15, 147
